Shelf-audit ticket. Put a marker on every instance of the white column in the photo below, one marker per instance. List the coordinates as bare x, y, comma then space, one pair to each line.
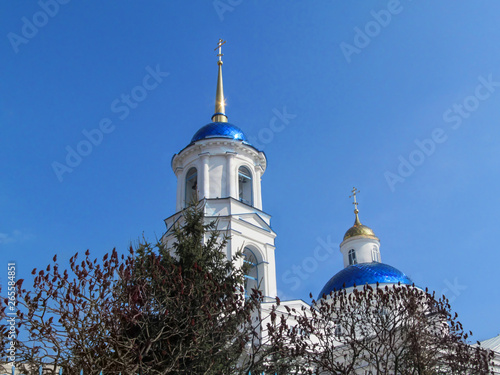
180, 184
231, 176
257, 188
270, 273
205, 180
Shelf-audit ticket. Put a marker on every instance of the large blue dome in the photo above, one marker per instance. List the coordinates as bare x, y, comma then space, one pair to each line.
364, 273
220, 130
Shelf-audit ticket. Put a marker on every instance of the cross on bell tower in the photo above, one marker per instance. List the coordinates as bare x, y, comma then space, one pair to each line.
219, 46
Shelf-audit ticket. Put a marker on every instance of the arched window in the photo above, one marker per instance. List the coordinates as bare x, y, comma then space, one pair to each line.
352, 257
375, 254
251, 271
191, 187
245, 186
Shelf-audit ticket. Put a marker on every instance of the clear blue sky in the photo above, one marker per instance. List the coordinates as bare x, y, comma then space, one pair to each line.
367, 81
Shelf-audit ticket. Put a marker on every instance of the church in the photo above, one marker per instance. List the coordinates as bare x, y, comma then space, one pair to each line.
220, 167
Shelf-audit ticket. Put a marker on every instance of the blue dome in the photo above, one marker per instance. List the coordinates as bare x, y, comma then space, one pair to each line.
220, 130
364, 273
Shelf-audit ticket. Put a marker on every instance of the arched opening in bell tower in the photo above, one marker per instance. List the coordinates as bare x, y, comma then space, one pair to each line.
191, 194
251, 271
245, 186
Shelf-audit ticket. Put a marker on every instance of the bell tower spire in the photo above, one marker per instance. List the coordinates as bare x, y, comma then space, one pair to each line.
220, 105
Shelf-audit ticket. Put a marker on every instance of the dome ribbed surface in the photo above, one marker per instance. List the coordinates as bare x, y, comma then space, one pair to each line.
365, 273
359, 230
220, 130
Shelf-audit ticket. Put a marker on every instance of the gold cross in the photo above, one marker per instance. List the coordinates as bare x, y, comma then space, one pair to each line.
354, 192
219, 46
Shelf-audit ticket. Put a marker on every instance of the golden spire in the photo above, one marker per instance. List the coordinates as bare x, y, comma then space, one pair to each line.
220, 109
355, 203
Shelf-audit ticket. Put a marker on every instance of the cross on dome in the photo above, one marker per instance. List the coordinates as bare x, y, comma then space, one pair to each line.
358, 229
355, 203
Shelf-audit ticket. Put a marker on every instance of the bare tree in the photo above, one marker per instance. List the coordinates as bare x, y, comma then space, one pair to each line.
396, 329
155, 310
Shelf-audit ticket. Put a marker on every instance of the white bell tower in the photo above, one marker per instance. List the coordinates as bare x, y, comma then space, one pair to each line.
222, 169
